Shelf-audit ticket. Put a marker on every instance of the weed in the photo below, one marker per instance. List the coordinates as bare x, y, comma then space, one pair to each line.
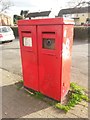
77, 94
21, 81
19, 84
39, 95
62, 107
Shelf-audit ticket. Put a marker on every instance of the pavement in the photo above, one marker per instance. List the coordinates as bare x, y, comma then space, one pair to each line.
18, 104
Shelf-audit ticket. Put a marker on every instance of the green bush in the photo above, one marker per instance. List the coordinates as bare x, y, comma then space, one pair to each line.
80, 33
15, 30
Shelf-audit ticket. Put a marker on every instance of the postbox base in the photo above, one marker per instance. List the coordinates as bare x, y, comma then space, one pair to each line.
32, 92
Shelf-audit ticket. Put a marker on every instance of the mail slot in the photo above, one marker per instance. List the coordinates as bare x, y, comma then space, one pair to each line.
46, 48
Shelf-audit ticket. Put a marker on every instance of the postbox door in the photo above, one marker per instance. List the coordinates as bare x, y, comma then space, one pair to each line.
29, 56
49, 49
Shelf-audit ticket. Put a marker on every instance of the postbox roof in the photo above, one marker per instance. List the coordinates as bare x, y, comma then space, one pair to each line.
46, 21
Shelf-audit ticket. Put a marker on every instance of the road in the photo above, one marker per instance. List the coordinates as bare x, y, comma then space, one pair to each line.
11, 61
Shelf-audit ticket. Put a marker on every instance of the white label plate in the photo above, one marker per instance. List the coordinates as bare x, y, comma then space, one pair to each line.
27, 41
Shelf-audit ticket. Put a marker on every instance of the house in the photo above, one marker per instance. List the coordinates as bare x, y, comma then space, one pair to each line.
43, 14
80, 14
5, 19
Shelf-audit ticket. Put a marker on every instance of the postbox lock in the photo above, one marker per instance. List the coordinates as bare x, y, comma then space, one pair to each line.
49, 42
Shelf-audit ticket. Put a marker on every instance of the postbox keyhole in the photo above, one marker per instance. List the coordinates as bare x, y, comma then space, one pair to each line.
49, 42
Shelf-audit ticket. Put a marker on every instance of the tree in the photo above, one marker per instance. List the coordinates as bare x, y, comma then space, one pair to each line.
16, 18
77, 3
5, 4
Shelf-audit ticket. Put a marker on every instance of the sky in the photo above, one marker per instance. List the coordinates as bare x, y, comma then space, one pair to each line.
37, 5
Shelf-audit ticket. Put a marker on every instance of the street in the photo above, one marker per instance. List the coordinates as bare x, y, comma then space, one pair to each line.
17, 104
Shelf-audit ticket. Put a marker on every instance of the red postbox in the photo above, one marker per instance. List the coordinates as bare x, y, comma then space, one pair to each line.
46, 46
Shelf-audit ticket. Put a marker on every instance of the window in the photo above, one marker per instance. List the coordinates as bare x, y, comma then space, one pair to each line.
0, 30
4, 29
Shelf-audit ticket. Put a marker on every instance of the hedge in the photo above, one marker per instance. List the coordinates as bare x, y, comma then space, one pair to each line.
80, 33
15, 30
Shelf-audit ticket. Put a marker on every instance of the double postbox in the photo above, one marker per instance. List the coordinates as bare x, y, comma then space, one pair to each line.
46, 47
